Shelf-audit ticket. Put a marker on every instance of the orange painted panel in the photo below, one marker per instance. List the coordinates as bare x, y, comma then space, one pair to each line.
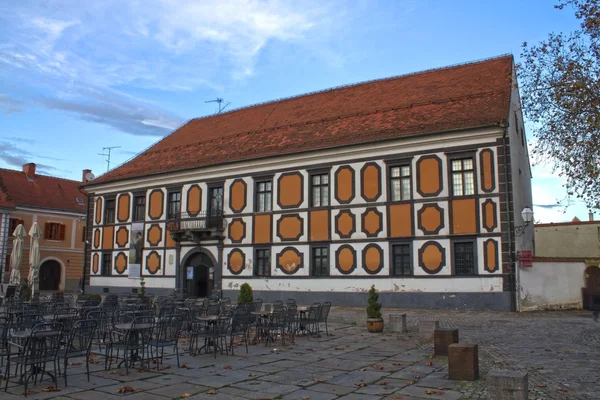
122, 236
194, 200
290, 261
154, 235
492, 256
372, 259
431, 218
344, 184
124, 207
121, 263
400, 220
430, 172
487, 169
169, 240
237, 230
345, 224
432, 258
238, 196
372, 222
262, 228
371, 177
319, 225
98, 210
464, 216
236, 261
95, 263
490, 215
290, 190
96, 238
156, 204
153, 263
108, 239
290, 227
346, 260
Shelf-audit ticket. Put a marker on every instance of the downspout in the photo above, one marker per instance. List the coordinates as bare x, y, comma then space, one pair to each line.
513, 272
85, 243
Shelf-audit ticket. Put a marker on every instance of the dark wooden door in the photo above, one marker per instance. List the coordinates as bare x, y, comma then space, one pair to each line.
49, 275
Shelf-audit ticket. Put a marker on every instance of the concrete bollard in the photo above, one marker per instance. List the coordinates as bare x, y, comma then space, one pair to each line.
463, 362
442, 338
397, 323
426, 329
507, 385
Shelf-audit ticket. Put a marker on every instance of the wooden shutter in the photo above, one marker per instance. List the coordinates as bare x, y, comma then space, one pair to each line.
47, 231
61, 232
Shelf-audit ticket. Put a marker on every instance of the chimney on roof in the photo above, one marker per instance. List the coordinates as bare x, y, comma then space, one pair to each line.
591, 216
84, 174
29, 170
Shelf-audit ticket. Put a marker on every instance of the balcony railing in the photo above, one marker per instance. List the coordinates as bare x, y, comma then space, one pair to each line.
201, 222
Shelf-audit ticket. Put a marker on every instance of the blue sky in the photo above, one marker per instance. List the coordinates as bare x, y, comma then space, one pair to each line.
79, 76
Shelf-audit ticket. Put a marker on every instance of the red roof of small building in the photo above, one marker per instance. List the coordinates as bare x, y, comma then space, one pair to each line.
42, 191
458, 97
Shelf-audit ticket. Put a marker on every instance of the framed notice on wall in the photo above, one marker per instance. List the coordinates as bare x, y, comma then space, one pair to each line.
190, 272
135, 271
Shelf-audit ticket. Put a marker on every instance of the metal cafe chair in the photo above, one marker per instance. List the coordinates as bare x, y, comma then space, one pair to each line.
78, 344
323, 316
166, 334
41, 345
132, 338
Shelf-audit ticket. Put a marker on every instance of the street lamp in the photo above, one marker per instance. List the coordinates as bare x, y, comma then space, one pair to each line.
527, 215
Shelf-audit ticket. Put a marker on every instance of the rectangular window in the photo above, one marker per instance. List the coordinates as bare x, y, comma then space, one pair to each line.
320, 190
174, 204
83, 233
13, 223
109, 212
262, 264
401, 259
320, 261
463, 177
263, 196
464, 258
106, 265
54, 231
139, 208
400, 183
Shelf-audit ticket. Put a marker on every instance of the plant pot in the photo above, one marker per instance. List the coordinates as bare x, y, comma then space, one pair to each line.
375, 325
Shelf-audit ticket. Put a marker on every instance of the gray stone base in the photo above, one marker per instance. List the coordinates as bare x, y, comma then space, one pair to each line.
122, 290
497, 301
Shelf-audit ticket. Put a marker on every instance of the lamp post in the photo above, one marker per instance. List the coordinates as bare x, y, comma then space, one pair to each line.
527, 215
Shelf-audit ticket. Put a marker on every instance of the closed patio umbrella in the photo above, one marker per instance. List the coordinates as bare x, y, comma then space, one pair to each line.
16, 255
34, 256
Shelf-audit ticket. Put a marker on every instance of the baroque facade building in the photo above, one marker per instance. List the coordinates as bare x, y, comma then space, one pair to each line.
412, 183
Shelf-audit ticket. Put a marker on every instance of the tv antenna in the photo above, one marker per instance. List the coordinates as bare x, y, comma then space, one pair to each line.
219, 100
107, 155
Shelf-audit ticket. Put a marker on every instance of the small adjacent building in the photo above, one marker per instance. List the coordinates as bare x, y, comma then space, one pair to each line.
413, 184
59, 208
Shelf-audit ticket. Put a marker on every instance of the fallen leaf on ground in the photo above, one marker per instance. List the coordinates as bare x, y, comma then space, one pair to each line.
318, 379
251, 375
50, 389
72, 364
227, 367
378, 367
397, 364
429, 363
562, 389
122, 373
113, 371
339, 348
184, 366
431, 391
310, 349
383, 383
540, 385
417, 377
547, 350
305, 398
361, 385
212, 391
363, 369
411, 382
185, 395
128, 389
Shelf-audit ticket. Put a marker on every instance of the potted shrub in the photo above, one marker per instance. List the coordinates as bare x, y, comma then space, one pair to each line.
245, 296
374, 320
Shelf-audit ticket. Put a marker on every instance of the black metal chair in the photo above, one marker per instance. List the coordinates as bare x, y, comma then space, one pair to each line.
291, 320
311, 319
103, 327
5, 323
239, 326
275, 324
323, 316
166, 334
66, 316
40, 347
78, 344
132, 342
214, 307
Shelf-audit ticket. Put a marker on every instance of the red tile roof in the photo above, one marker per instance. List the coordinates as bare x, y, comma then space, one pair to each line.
45, 192
457, 97
572, 223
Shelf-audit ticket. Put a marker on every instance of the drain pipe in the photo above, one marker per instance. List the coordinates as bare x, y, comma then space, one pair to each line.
513, 273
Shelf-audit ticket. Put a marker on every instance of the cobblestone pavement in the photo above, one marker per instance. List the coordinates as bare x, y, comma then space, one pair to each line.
559, 350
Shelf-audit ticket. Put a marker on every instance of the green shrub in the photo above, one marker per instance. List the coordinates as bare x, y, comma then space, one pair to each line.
91, 296
25, 290
373, 307
142, 292
245, 295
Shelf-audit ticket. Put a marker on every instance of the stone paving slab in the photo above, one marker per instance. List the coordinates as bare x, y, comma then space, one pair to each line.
305, 394
355, 377
333, 389
383, 387
417, 391
177, 390
358, 396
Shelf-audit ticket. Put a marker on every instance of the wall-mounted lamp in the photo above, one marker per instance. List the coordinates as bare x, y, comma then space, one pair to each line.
527, 215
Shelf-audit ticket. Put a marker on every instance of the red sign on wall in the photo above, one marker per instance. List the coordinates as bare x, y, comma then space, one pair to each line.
525, 258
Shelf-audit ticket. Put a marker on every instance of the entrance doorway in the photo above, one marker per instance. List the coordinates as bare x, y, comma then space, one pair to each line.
49, 275
199, 272
591, 291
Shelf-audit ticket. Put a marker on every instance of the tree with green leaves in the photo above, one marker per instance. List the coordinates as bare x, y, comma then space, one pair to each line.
561, 97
